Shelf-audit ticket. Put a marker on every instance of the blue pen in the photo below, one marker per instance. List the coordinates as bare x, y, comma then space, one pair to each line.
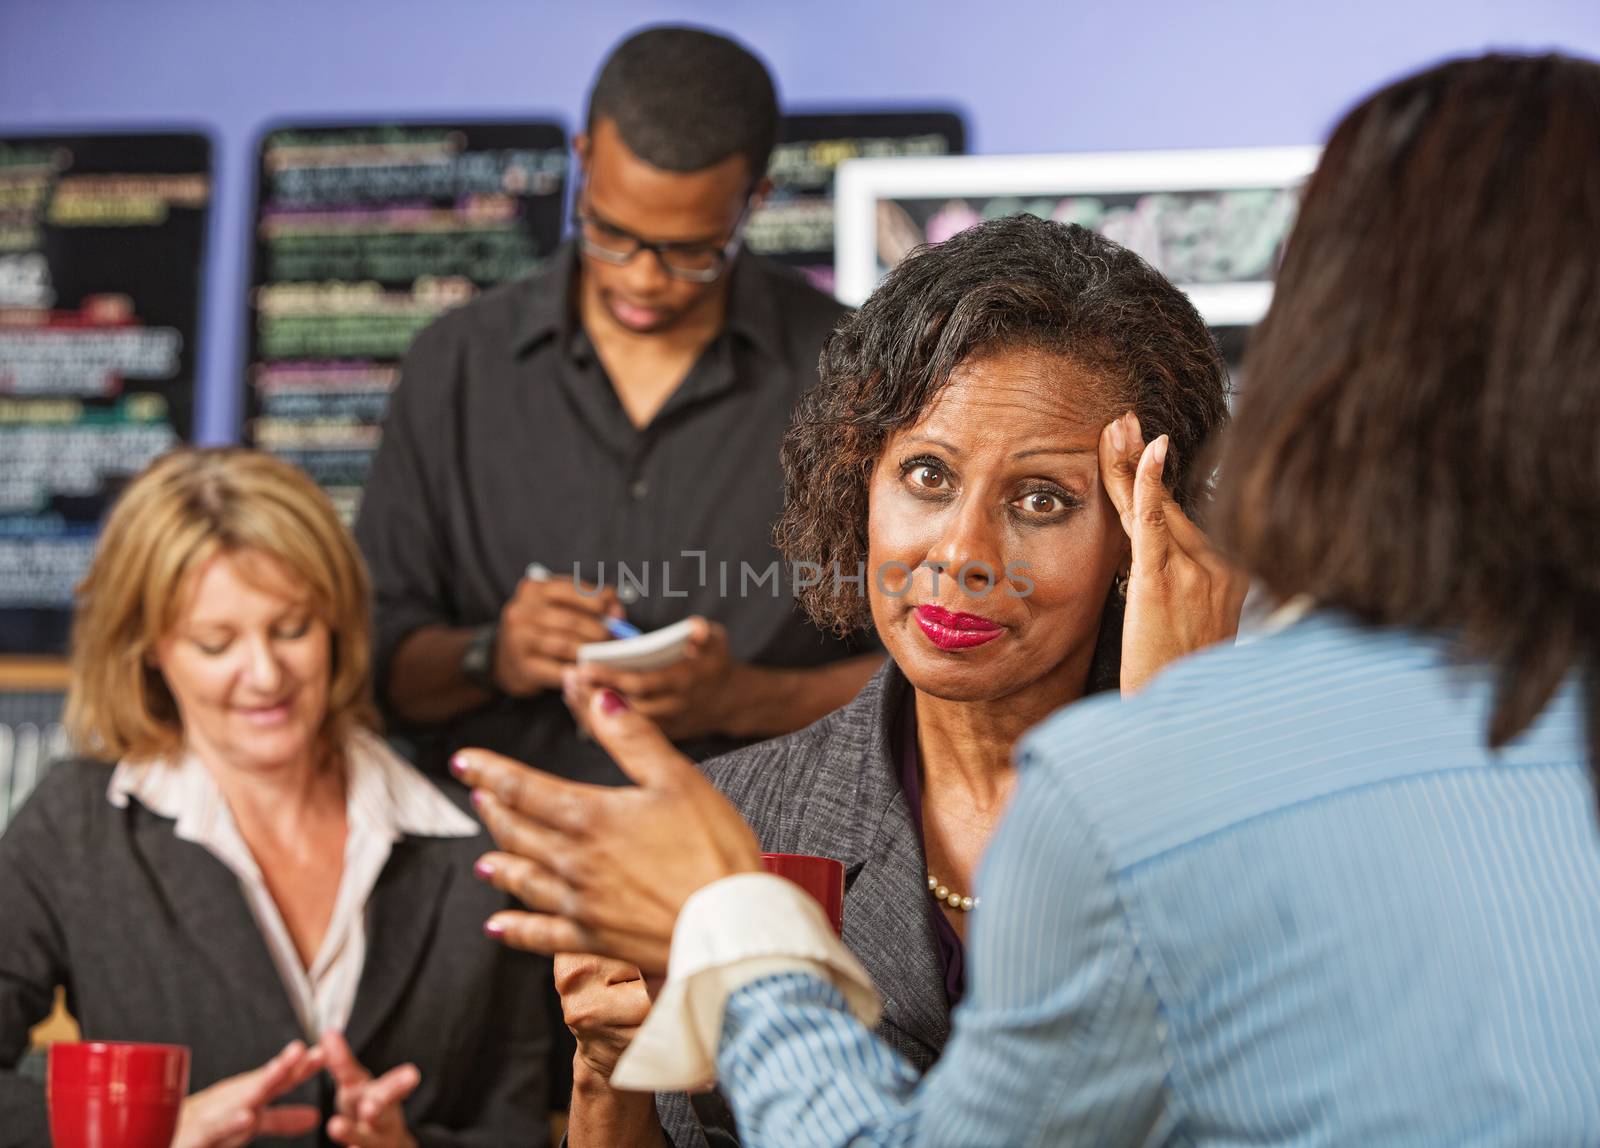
616, 627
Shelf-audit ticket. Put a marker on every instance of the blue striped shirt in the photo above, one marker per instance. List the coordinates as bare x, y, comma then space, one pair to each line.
1284, 896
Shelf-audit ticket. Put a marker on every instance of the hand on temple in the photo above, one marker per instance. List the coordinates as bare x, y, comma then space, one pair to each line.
1182, 594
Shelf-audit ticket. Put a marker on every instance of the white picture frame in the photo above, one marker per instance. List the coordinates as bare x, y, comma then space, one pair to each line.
863, 184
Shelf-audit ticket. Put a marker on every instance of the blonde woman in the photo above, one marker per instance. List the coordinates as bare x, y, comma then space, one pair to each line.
240, 864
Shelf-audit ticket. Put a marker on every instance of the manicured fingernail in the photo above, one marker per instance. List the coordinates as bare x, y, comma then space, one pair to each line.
458, 764
494, 928
611, 702
1158, 450
479, 797
484, 868
1119, 441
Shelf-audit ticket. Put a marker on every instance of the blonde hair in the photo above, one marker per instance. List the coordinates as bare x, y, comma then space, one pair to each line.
185, 508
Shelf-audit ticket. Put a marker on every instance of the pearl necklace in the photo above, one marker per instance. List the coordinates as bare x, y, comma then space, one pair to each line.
943, 893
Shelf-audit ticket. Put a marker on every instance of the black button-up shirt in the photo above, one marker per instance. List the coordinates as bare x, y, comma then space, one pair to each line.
506, 444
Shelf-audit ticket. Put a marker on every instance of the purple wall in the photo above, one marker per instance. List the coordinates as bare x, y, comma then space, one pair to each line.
1037, 76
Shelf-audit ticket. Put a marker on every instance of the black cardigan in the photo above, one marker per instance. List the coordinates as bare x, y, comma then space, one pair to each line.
154, 941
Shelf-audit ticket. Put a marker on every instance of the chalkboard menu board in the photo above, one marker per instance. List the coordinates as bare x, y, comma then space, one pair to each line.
363, 235
102, 239
795, 225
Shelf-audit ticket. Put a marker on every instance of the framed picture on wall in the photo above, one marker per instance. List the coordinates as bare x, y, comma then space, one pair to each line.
1213, 221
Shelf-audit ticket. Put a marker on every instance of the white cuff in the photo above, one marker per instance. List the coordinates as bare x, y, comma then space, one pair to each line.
729, 934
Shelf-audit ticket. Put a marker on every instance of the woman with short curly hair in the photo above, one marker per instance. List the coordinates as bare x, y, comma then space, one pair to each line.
1338, 886
971, 479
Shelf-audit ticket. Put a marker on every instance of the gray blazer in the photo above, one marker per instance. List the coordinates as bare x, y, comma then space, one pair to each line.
154, 941
833, 790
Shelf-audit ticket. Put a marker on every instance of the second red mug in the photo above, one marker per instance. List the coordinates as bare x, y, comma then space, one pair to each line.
822, 877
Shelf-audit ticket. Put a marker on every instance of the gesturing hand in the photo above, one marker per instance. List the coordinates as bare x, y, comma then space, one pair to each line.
605, 870
368, 1109
235, 1111
1182, 595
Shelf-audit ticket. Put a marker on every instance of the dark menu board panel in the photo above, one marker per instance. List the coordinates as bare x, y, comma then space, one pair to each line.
363, 236
795, 225
102, 239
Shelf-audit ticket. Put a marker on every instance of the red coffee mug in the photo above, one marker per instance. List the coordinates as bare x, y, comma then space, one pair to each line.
110, 1094
822, 877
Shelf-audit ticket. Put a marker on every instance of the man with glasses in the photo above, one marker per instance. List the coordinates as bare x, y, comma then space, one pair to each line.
614, 418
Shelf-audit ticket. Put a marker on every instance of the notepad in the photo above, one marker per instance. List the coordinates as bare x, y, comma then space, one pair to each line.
653, 651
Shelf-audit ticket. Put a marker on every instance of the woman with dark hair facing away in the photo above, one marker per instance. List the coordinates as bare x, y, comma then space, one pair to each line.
967, 479
1340, 885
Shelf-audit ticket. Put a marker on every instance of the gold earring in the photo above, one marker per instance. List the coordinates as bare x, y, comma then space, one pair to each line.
1121, 585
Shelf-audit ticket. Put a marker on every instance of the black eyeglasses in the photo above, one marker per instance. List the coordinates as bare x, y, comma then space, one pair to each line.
691, 262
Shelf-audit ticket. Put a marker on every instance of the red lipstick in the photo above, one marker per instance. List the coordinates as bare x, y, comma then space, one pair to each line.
951, 631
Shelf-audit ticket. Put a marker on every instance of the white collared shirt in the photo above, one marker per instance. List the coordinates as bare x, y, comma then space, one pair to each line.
386, 799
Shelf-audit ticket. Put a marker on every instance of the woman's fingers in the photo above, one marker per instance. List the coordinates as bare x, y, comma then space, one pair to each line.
521, 836
635, 685
363, 1101
232, 1129
344, 1130
288, 1120
388, 1090
527, 881
346, 1070
281, 1074
531, 792
576, 972
1120, 447
637, 744
621, 973
538, 932
313, 1061
547, 934
1151, 536
1188, 537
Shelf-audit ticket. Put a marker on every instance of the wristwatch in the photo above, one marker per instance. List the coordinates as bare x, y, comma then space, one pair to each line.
477, 660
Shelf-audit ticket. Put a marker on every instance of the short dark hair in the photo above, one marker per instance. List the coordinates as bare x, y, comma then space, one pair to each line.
685, 99
1020, 282
1415, 440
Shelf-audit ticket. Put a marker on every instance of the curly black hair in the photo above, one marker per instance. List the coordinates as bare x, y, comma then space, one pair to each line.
1019, 282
